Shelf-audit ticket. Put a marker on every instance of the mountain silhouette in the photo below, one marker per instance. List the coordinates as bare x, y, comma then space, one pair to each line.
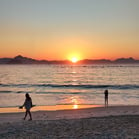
126, 60
25, 60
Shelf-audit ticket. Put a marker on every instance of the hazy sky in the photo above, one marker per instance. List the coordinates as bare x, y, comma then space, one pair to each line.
60, 29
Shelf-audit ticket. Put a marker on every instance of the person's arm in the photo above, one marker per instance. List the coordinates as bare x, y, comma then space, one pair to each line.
20, 107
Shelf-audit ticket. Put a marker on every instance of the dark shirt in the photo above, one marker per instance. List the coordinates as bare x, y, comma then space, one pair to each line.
106, 94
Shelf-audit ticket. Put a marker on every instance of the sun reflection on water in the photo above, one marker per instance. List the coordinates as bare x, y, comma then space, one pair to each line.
75, 106
75, 103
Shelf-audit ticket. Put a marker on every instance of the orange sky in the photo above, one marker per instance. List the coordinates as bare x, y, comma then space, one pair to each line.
61, 30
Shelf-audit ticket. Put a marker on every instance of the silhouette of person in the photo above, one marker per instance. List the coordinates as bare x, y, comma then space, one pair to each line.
106, 98
27, 104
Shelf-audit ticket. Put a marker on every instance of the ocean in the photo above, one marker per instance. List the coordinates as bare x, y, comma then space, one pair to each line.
69, 84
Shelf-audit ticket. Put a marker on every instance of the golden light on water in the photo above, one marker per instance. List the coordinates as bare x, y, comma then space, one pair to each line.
75, 106
75, 103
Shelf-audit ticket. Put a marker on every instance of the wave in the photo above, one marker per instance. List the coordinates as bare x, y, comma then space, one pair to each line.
41, 92
62, 93
80, 86
6, 91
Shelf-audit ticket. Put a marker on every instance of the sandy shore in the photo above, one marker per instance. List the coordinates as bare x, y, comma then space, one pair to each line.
114, 122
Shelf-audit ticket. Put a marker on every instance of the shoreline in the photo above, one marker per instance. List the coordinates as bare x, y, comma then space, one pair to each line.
47, 108
84, 112
58, 108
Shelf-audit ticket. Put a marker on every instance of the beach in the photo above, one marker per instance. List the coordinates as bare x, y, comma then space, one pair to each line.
113, 122
69, 69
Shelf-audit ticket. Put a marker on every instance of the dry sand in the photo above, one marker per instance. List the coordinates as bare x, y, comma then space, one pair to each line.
115, 122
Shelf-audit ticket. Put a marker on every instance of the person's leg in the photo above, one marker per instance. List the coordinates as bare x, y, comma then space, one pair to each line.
105, 102
30, 115
25, 115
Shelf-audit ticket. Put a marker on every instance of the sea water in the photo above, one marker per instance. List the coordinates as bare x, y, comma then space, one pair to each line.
69, 84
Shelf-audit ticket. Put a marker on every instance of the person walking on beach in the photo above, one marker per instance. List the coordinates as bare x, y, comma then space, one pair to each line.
27, 104
106, 98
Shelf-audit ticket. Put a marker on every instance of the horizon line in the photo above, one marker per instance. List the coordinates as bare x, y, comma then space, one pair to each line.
70, 60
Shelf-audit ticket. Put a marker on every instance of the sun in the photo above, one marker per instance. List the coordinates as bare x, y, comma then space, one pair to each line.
74, 59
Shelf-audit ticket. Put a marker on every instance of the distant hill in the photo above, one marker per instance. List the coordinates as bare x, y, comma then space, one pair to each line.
5, 60
25, 60
126, 60
22, 60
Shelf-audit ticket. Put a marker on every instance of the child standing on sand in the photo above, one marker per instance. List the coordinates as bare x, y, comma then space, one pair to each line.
27, 104
106, 98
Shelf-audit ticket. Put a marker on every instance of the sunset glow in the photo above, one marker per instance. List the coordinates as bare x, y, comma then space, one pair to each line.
74, 59
59, 29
